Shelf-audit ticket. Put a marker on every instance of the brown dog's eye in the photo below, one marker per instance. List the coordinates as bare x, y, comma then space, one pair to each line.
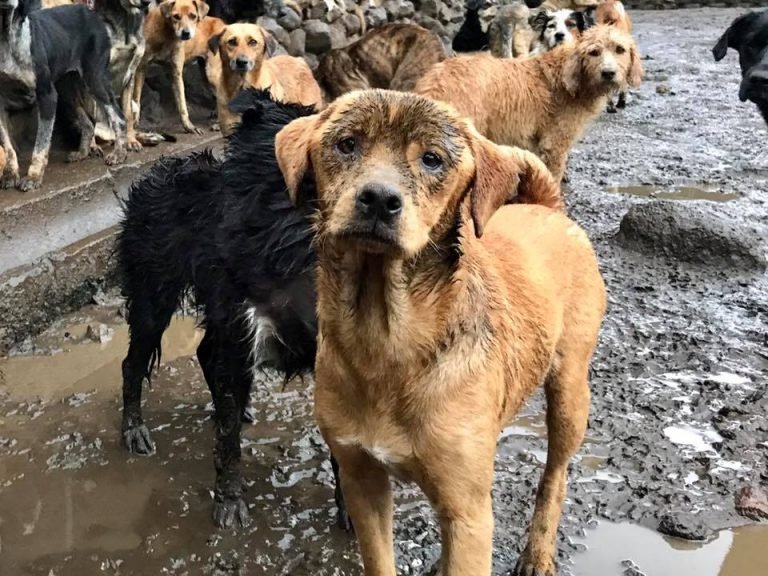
431, 161
252, 43
346, 146
620, 49
177, 17
232, 42
594, 53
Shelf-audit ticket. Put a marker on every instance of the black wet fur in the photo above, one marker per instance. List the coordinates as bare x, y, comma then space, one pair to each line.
225, 234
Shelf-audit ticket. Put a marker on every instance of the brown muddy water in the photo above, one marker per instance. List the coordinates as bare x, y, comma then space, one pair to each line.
700, 192
73, 502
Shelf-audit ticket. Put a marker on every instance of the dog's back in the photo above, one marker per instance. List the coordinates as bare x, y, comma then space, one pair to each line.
393, 56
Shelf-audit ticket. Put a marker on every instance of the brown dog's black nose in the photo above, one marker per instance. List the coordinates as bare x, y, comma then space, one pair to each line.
186, 34
609, 74
379, 201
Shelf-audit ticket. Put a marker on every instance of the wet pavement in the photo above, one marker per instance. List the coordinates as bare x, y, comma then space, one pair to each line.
678, 421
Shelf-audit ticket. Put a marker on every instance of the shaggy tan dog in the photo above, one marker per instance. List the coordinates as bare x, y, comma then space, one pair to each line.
244, 61
612, 13
542, 103
440, 312
392, 56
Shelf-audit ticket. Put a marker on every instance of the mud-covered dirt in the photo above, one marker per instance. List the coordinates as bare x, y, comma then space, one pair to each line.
678, 420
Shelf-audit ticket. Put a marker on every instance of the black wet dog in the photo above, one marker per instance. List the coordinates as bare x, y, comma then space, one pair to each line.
226, 234
748, 35
43, 52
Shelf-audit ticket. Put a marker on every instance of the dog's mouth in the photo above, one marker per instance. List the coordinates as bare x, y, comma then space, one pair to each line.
374, 238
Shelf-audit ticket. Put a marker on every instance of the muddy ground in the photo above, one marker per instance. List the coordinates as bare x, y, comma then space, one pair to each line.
679, 386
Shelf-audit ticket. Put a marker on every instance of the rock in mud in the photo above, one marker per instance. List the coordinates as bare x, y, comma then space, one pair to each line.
684, 526
752, 502
692, 233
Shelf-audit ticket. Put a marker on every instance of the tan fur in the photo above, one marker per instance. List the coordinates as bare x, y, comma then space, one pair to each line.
392, 56
55, 3
425, 353
163, 26
542, 103
3, 160
613, 13
289, 79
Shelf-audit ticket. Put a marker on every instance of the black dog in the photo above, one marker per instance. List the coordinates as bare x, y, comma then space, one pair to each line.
226, 234
43, 52
471, 37
748, 35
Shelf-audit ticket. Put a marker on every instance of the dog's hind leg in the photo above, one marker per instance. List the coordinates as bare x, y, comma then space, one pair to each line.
567, 392
87, 129
47, 98
9, 176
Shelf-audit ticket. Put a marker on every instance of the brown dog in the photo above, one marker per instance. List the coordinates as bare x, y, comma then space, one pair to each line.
176, 31
542, 103
393, 56
612, 13
244, 62
440, 313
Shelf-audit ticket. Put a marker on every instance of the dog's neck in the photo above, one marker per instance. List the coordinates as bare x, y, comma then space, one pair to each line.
392, 311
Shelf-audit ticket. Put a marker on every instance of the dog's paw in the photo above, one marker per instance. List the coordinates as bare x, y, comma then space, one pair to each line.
138, 440
117, 156
622, 103
9, 180
192, 129
28, 184
96, 151
215, 127
248, 416
77, 156
134, 145
534, 565
231, 513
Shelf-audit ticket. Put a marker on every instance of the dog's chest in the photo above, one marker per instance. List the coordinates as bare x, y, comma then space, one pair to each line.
17, 71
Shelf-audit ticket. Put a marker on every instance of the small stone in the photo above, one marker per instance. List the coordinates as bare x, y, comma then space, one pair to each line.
752, 502
662, 89
351, 24
311, 60
338, 35
297, 44
376, 17
429, 8
289, 19
684, 526
318, 40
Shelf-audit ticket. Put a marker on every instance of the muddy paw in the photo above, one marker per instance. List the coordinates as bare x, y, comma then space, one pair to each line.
192, 129
231, 513
138, 440
77, 156
528, 565
135, 146
96, 151
28, 184
622, 103
611, 109
248, 416
9, 181
116, 157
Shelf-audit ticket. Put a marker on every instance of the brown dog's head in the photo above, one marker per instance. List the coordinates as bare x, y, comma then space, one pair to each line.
392, 170
243, 46
603, 60
184, 16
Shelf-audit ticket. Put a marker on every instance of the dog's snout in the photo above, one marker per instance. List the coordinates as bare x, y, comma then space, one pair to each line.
559, 37
242, 63
185, 34
379, 201
608, 74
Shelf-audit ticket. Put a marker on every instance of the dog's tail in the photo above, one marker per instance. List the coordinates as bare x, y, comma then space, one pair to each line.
537, 185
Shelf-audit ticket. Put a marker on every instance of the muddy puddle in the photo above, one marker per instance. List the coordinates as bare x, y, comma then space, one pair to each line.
711, 194
614, 549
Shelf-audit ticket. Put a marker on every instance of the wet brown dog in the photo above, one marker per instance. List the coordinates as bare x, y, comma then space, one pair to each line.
440, 312
175, 31
612, 13
245, 51
393, 56
544, 103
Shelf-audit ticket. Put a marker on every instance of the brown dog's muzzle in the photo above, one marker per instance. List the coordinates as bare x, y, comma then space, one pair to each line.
376, 216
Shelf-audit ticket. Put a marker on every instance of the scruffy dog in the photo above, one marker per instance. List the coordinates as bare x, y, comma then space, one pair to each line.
748, 35
176, 31
392, 56
542, 103
246, 61
440, 312
42, 53
553, 28
226, 234
612, 13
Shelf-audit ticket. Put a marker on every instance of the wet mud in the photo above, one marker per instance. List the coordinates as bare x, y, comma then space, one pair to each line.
678, 422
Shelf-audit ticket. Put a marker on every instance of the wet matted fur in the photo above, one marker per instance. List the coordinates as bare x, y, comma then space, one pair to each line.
393, 56
543, 103
440, 312
226, 234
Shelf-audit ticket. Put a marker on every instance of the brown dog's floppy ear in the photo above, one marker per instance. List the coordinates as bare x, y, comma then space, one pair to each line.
635, 75
214, 42
505, 175
292, 152
270, 43
572, 73
202, 9
166, 7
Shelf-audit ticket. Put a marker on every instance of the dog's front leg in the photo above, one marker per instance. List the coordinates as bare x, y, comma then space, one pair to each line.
9, 176
368, 498
127, 96
179, 94
47, 99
